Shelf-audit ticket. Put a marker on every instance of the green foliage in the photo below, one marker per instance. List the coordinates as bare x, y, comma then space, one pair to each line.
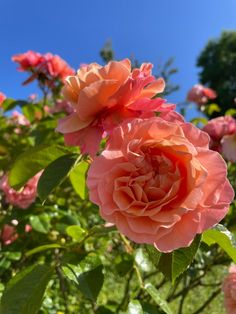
24, 292
54, 174
174, 264
217, 62
124, 263
78, 178
135, 307
107, 53
10, 104
157, 299
76, 233
223, 237
88, 276
40, 223
31, 162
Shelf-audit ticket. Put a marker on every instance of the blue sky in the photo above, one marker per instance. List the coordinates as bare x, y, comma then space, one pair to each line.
151, 30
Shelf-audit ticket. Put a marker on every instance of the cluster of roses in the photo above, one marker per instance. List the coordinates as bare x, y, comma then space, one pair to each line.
222, 130
156, 179
47, 67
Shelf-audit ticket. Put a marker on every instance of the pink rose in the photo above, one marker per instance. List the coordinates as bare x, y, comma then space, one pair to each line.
28, 60
23, 198
56, 67
159, 183
229, 290
228, 144
61, 106
200, 94
33, 97
2, 98
102, 97
218, 128
46, 68
19, 119
8, 234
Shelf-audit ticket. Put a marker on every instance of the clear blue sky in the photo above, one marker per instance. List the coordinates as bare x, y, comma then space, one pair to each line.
151, 30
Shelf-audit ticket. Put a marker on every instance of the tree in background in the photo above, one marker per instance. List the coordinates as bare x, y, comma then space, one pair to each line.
218, 70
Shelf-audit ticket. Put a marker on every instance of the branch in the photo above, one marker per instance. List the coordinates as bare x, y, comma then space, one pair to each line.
208, 301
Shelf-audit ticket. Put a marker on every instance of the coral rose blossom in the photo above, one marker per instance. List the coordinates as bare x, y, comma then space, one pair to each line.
24, 198
2, 98
57, 67
28, 60
159, 183
200, 94
103, 97
229, 289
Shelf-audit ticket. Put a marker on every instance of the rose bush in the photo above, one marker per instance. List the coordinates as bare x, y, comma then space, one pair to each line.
154, 178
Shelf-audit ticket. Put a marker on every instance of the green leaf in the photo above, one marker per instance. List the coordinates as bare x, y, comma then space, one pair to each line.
153, 254
142, 260
72, 272
54, 174
90, 282
230, 112
134, 307
11, 103
183, 257
40, 223
13, 256
78, 178
223, 237
31, 162
24, 292
200, 121
30, 110
124, 263
88, 276
43, 248
165, 265
157, 299
150, 308
105, 310
209, 109
172, 265
76, 233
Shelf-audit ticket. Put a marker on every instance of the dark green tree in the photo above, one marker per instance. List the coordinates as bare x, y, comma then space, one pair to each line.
218, 69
